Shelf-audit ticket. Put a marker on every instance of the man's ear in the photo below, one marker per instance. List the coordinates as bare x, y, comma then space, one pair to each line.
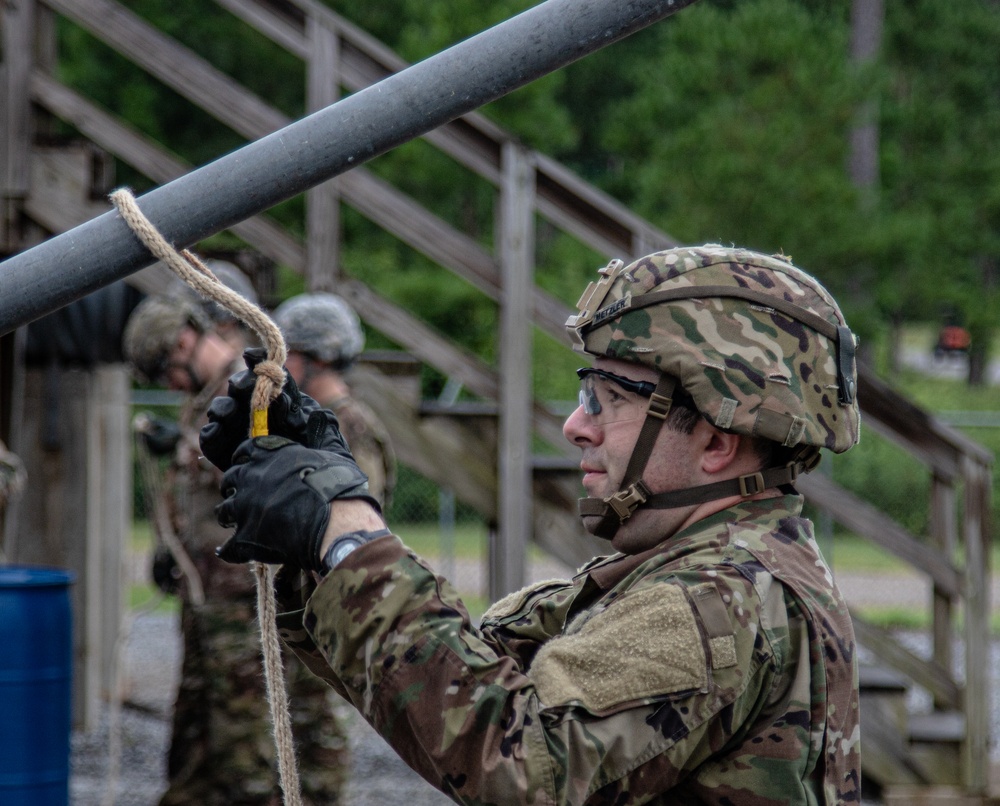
720, 449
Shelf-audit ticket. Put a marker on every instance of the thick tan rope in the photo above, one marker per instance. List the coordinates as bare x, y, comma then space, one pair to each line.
270, 378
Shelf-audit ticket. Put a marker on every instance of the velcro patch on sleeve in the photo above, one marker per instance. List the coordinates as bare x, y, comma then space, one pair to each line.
646, 644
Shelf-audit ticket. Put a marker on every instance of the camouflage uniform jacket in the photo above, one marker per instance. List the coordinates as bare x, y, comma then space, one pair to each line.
718, 667
193, 490
369, 443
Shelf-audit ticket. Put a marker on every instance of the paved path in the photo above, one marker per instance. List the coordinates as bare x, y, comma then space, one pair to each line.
955, 366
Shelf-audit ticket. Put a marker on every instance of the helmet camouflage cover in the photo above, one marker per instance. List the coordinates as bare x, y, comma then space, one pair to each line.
152, 332
323, 326
761, 346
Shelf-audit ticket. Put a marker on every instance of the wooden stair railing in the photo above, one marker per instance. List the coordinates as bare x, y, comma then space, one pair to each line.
960, 469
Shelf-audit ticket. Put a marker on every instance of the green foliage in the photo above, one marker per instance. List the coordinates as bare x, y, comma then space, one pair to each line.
729, 122
941, 171
737, 133
887, 476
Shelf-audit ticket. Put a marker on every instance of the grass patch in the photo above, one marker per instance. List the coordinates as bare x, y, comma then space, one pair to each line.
901, 618
944, 394
149, 597
848, 552
895, 618
142, 536
467, 543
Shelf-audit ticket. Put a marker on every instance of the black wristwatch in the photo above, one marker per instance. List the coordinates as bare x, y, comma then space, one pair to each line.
344, 545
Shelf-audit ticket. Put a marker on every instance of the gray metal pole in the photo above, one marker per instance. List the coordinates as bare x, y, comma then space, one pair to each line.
320, 146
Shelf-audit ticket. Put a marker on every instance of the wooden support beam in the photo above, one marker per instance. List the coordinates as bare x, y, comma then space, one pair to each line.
516, 251
17, 35
928, 674
323, 201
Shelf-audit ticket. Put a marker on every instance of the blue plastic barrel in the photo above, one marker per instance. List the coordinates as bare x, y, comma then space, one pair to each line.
36, 680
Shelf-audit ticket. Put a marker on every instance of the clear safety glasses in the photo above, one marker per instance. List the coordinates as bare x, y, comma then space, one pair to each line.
611, 398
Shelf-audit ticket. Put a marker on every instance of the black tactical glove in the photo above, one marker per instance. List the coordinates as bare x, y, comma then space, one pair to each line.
277, 495
166, 571
229, 417
160, 436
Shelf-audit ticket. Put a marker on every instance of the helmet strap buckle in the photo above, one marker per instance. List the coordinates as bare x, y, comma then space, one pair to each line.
751, 484
624, 502
659, 406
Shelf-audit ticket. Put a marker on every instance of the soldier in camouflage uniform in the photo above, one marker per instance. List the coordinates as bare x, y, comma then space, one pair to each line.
709, 659
222, 751
216, 754
324, 339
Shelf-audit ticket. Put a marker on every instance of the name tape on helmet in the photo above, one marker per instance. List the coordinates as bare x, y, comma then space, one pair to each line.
591, 300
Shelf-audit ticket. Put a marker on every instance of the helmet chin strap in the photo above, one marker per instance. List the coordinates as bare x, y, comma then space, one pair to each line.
616, 509
619, 507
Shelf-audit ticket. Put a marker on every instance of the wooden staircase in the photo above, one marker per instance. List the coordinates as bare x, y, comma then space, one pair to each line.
484, 451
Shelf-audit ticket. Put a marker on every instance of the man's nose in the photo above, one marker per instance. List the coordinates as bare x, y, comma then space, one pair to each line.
581, 427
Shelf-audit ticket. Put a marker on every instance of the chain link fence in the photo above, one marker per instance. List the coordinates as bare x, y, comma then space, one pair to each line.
452, 537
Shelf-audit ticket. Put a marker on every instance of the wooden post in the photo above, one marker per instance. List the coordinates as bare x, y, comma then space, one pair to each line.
944, 534
323, 201
17, 27
516, 252
111, 495
977, 628
75, 426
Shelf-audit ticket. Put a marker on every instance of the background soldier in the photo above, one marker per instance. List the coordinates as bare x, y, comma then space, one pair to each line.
12, 479
711, 659
324, 339
222, 750
223, 322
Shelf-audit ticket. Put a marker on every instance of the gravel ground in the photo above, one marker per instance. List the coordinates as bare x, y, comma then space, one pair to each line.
151, 663
132, 758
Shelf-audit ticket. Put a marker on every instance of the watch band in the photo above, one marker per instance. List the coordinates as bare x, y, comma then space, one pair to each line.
335, 553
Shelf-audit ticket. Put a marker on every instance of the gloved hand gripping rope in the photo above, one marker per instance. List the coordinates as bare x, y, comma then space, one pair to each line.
270, 379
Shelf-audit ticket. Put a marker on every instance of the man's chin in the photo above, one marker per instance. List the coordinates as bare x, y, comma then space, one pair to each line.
591, 523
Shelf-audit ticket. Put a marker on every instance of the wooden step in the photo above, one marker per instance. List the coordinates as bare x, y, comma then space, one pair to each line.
934, 796
881, 679
935, 743
937, 727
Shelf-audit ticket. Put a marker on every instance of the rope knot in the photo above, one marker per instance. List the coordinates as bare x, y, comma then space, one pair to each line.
270, 378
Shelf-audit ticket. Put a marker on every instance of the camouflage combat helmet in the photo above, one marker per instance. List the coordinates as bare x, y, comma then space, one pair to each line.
152, 332
759, 345
322, 326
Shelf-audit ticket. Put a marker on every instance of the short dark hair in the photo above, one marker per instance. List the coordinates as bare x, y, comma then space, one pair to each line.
683, 417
